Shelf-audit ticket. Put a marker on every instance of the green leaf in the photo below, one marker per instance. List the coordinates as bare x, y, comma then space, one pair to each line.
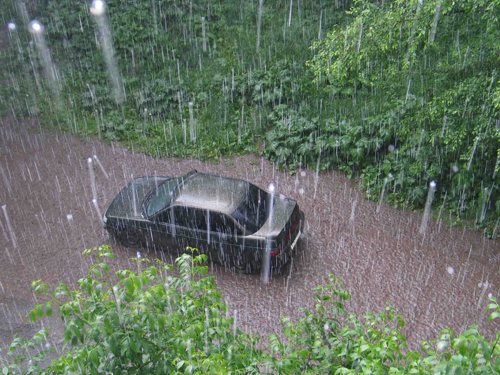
129, 283
33, 315
39, 310
48, 308
494, 315
77, 332
486, 350
463, 347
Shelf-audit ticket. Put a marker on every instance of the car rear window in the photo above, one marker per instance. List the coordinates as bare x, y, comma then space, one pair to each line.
161, 199
253, 210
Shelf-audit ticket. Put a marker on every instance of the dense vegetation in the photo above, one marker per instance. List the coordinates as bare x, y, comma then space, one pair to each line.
153, 322
400, 93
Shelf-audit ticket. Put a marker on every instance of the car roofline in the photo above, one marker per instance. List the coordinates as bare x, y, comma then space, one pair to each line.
148, 197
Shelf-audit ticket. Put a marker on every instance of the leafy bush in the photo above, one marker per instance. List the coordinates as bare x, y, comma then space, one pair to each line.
168, 321
421, 77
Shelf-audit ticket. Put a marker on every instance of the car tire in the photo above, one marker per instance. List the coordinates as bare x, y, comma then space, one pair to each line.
235, 264
243, 268
128, 239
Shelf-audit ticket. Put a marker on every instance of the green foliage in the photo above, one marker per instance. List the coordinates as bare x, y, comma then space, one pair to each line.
170, 320
149, 320
405, 88
422, 77
165, 63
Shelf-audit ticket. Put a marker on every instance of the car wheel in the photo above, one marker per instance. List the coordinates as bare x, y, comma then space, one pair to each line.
241, 266
128, 239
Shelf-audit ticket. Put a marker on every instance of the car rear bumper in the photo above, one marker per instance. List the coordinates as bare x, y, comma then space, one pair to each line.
286, 254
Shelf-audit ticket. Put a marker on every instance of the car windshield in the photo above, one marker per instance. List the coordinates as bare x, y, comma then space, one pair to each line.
161, 199
252, 212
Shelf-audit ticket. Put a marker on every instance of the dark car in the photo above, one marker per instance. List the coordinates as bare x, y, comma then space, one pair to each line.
232, 221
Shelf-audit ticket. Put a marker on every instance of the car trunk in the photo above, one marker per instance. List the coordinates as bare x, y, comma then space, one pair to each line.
281, 225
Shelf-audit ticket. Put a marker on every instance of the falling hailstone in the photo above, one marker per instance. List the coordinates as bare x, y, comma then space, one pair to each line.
301, 191
266, 260
11, 26
98, 10
391, 148
428, 204
303, 173
450, 270
69, 217
139, 256
455, 168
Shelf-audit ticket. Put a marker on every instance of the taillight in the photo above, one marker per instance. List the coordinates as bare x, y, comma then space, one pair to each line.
278, 250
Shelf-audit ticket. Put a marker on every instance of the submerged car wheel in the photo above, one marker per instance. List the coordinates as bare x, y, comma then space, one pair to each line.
128, 239
234, 263
242, 268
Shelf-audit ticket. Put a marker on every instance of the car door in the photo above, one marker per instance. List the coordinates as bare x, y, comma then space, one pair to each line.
164, 230
224, 236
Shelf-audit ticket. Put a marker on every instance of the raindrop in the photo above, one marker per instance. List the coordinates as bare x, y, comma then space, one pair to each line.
428, 204
97, 8
36, 27
101, 166
92, 178
96, 206
9, 226
266, 259
235, 322
106, 43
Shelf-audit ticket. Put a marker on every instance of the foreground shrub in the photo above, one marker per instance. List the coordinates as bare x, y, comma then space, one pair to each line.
151, 321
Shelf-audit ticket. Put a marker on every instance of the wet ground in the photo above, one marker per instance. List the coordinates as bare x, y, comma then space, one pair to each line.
438, 280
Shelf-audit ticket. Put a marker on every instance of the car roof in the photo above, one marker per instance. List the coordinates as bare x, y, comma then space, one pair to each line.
211, 192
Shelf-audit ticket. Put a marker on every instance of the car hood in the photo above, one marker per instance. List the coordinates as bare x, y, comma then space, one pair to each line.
282, 210
129, 200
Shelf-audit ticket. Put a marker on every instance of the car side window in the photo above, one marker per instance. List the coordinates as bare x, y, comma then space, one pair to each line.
220, 223
177, 215
188, 217
199, 219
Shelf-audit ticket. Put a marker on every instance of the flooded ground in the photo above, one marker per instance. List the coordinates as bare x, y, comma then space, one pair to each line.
439, 280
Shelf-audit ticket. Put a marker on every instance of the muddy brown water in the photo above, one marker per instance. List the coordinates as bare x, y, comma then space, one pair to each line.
381, 257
